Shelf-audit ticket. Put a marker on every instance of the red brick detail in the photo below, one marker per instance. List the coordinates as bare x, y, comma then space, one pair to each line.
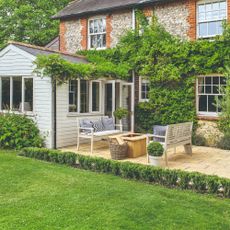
191, 4
108, 30
62, 31
148, 11
84, 33
228, 9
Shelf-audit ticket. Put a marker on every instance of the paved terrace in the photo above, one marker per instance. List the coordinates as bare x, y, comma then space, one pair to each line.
206, 160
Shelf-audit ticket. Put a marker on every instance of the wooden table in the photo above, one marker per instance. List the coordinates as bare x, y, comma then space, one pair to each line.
136, 143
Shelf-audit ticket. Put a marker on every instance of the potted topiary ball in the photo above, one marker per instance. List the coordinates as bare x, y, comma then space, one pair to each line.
155, 152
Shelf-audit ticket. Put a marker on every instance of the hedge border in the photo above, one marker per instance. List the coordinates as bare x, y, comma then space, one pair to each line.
194, 181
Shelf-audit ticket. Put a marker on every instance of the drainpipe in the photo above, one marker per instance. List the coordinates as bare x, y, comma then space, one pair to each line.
54, 114
133, 78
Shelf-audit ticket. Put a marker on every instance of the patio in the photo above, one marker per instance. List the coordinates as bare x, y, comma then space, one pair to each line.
206, 160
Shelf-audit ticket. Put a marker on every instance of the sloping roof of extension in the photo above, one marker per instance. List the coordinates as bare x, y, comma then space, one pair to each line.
38, 50
78, 8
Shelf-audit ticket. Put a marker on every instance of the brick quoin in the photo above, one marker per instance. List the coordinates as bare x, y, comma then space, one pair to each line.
84, 33
62, 31
191, 4
108, 31
228, 9
148, 11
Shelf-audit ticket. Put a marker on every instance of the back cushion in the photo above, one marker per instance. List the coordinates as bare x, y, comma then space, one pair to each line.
108, 123
98, 126
86, 124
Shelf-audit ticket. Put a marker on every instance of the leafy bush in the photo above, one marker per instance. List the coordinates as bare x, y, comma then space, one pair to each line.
155, 149
224, 142
120, 113
170, 178
17, 131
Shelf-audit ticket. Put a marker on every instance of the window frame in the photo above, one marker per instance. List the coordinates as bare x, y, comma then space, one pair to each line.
141, 81
101, 33
22, 95
78, 112
198, 22
202, 113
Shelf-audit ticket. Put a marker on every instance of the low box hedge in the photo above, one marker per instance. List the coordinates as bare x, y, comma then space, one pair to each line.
170, 178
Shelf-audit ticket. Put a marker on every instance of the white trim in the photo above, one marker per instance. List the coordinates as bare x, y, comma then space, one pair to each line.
102, 33
142, 80
78, 113
202, 2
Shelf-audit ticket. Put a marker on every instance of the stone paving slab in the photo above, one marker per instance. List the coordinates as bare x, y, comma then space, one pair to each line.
211, 161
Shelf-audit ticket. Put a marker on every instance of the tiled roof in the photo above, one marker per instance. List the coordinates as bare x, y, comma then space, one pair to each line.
38, 50
78, 8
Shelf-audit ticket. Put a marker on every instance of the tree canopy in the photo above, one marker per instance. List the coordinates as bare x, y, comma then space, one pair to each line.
29, 20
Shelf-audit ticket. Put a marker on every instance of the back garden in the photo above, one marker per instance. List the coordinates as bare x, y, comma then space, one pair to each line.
54, 190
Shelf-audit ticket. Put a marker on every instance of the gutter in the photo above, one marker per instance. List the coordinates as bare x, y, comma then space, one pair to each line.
105, 10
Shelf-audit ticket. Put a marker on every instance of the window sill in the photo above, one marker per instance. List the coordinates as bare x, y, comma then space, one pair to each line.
84, 114
143, 100
29, 114
208, 117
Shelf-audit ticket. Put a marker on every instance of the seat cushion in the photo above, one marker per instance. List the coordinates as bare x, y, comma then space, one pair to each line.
108, 123
98, 126
106, 133
85, 124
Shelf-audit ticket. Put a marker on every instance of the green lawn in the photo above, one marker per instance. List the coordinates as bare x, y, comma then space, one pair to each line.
40, 195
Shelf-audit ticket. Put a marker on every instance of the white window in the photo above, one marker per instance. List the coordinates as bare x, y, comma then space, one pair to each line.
17, 94
210, 16
209, 93
84, 96
144, 89
97, 33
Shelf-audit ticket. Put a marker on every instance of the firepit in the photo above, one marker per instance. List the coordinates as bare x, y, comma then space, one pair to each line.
136, 144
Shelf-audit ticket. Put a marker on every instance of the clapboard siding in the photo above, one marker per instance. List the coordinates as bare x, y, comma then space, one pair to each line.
43, 107
66, 124
15, 62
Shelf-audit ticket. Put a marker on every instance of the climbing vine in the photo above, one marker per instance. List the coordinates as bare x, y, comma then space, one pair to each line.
171, 65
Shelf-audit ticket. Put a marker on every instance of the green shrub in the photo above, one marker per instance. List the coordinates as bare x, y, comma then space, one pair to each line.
198, 140
224, 142
55, 156
155, 149
120, 113
170, 178
18, 131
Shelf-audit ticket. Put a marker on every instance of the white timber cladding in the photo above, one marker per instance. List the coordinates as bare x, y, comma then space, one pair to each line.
16, 62
67, 121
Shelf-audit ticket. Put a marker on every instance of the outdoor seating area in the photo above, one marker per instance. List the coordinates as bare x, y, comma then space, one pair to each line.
211, 161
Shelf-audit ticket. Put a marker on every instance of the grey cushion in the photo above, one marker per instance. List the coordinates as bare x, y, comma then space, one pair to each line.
108, 123
160, 131
98, 126
86, 124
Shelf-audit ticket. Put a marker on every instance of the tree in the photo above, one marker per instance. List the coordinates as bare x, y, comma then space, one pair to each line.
29, 20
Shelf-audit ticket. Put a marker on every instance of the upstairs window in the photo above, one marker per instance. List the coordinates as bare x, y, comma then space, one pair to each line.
97, 33
210, 16
209, 93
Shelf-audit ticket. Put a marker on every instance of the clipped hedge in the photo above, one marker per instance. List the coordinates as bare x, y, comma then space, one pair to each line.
170, 178
55, 156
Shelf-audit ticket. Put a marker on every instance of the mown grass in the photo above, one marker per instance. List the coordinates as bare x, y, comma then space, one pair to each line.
40, 195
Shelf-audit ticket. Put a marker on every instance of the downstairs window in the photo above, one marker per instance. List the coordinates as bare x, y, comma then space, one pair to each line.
209, 93
16, 94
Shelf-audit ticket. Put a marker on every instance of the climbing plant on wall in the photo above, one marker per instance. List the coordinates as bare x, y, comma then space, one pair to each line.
169, 63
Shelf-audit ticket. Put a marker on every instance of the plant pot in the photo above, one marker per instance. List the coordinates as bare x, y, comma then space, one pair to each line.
155, 161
